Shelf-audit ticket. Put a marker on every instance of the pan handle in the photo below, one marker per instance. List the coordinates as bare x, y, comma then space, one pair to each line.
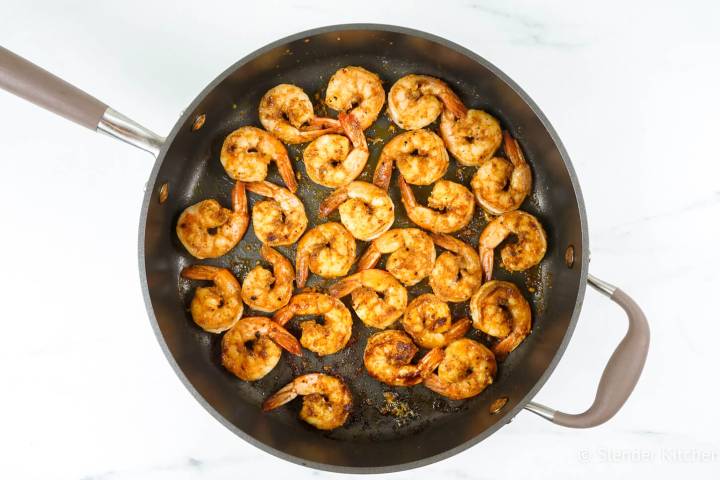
621, 373
28, 81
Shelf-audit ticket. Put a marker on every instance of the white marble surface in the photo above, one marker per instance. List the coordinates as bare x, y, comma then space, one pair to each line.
632, 89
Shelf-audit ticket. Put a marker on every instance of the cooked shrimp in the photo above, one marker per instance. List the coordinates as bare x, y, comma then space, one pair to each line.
356, 91
216, 308
388, 355
265, 290
450, 206
415, 101
327, 250
412, 254
420, 156
247, 151
377, 297
281, 220
328, 159
366, 210
208, 230
472, 138
325, 339
428, 321
457, 273
501, 185
467, 369
327, 401
500, 310
526, 252
287, 112
252, 347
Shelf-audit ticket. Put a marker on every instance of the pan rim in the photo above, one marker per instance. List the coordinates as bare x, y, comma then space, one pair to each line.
582, 264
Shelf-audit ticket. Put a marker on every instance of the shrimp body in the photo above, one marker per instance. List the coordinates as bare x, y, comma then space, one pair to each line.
356, 91
330, 162
280, 220
412, 254
450, 206
500, 310
327, 250
324, 339
374, 310
265, 290
415, 101
252, 348
501, 185
472, 138
208, 230
467, 369
457, 273
327, 401
287, 112
216, 308
247, 151
388, 356
428, 321
420, 157
365, 209
529, 249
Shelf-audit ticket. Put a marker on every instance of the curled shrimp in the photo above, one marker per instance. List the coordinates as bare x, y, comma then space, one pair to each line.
287, 112
265, 290
327, 250
324, 339
415, 101
377, 297
428, 321
500, 310
216, 308
365, 209
501, 185
251, 349
467, 369
356, 91
471, 138
208, 230
327, 401
247, 151
457, 273
526, 252
330, 162
280, 220
420, 157
388, 356
450, 206
412, 254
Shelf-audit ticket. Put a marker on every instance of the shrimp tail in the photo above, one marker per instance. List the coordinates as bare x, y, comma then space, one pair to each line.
370, 258
383, 172
408, 197
458, 329
285, 339
430, 361
437, 385
333, 201
487, 259
266, 189
286, 172
513, 150
453, 103
200, 272
239, 199
302, 268
329, 125
344, 287
445, 241
285, 314
353, 130
281, 397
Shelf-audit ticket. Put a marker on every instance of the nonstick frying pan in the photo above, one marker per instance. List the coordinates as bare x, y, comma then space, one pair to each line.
411, 427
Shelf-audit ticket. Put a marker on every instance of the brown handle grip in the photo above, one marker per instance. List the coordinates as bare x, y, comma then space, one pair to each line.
27, 80
621, 373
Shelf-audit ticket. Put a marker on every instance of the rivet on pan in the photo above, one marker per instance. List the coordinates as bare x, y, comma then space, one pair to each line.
570, 256
199, 122
497, 405
163, 193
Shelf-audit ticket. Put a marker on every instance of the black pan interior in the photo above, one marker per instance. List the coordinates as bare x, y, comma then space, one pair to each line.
417, 426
